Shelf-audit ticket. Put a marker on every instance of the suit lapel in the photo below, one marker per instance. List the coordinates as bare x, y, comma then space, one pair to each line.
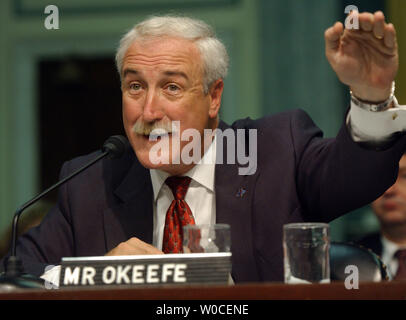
234, 194
133, 215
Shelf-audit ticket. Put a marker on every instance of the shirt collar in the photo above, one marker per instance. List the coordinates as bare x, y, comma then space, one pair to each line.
202, 173
158, 178
390, 247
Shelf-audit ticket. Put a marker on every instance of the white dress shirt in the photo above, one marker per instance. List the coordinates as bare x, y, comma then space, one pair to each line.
200, 196
365, 126
389, 249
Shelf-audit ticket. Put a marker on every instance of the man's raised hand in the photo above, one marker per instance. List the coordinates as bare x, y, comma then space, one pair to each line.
365, 59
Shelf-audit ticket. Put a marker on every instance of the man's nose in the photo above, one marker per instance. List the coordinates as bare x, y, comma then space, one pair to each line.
392, 189
152, 110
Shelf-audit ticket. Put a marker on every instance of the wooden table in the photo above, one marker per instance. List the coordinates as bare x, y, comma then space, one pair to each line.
251, 291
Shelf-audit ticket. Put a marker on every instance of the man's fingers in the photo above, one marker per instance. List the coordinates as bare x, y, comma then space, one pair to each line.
332, 36
142, 247
390, 36
133, 246
379, 25
366, 21
372, 28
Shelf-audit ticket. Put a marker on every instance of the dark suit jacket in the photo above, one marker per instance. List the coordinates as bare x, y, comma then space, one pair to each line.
373, 242
300, 177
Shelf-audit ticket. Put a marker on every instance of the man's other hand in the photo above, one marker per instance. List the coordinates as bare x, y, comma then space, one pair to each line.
366, 59
133, 246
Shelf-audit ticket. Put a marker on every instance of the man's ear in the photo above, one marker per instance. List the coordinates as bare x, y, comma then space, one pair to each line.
215, 92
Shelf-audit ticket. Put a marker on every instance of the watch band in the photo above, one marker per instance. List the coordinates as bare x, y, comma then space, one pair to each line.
376, 107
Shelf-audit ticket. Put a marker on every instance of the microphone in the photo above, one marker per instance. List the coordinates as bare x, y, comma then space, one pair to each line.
113, 147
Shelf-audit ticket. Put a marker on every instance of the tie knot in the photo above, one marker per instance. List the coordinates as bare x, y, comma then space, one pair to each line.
179, 186
401, 254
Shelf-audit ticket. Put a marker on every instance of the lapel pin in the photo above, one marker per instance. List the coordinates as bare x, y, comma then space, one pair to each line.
240, 193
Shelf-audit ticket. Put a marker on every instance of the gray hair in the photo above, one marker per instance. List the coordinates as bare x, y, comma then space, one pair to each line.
212, 50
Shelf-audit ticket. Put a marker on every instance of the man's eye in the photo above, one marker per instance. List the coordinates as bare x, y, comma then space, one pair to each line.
173, 88
135, 86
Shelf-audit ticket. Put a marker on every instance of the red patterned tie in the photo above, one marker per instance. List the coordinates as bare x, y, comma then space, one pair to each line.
177, 216
401, 272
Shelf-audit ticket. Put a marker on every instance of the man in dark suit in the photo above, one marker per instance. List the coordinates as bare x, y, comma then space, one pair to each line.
390, 242
172, 70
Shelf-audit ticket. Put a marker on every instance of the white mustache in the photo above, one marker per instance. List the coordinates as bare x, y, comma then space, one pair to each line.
160, 127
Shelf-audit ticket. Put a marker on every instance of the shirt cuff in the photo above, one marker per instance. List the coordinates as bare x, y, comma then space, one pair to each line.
375, 127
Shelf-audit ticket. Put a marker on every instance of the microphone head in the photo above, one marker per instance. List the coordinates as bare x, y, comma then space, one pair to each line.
115, 146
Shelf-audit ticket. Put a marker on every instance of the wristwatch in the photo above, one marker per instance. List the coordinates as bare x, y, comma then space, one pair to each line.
377, 107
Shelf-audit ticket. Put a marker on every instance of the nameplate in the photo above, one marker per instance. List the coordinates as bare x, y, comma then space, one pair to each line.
146, 270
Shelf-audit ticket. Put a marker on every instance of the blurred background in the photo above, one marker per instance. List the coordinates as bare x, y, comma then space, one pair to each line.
60, 93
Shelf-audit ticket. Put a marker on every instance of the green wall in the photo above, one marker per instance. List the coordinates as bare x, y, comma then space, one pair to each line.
295, 72
277, 63
87, 28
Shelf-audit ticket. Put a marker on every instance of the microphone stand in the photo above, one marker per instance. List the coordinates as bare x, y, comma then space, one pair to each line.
14, 272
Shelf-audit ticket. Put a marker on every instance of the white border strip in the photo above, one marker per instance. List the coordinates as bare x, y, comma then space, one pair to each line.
146, 257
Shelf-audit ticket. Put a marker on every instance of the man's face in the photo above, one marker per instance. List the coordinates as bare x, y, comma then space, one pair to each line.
390, 208
163, 82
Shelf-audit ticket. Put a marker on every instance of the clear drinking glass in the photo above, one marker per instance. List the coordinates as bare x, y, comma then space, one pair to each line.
306, 252
206, 238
